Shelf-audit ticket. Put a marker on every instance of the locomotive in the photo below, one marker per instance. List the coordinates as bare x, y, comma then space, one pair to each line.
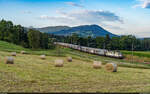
96, 51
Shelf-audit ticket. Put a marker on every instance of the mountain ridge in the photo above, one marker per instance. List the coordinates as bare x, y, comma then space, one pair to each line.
82, 30
50, 29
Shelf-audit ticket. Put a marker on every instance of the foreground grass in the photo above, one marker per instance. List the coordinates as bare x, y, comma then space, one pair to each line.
31, 74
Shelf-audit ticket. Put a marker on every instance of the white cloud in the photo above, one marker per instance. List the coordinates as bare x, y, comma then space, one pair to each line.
83, 17
146, 4
113, 27
143, 4
74, 4
44, 17
27, 12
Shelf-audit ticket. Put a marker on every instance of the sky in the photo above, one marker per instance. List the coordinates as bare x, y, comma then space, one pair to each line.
121, 17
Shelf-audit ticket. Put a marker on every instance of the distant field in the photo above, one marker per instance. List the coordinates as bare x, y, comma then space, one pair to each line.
138, 56
31, 74
138, 53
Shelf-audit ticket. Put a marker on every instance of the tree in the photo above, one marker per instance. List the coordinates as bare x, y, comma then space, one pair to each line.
107, 42
44, 41
2, 28
100, 42
115, 43
34, 39
74, 38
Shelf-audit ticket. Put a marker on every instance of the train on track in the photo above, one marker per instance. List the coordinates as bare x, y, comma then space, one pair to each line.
96, 51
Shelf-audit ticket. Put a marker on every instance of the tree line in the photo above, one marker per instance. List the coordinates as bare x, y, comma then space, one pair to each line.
31, 38
124, 42
19, 35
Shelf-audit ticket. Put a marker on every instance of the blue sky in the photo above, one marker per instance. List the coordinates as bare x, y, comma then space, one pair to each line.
117, 16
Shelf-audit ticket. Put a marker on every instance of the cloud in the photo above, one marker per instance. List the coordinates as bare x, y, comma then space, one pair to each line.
143, 4
82, 17
27, 12
146, 4
74, 4
44, 17
56, 20
112, 27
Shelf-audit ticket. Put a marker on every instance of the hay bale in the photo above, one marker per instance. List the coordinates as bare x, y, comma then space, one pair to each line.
23, 52
59, 63
9, 60
111, 67
13, 54
69, 59
97, 64
43, 57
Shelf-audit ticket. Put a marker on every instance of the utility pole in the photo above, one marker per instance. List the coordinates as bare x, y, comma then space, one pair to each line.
70, 38
132, 48
79, 41
104, 45
132, 52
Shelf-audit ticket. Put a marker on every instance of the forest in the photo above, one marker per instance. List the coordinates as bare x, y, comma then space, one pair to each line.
34, 39
19, 35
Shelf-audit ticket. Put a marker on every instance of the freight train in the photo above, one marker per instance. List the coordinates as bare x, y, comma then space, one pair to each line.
96, 51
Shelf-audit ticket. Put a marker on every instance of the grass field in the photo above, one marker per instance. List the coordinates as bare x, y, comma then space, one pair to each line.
31, 74
138, 53
138, 56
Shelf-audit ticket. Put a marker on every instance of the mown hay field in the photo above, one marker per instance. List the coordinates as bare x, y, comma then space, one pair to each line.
29, 73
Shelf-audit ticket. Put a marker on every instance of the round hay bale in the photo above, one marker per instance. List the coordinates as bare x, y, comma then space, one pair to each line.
43, 57
59, 63
13, 54
111, 67
23, 52
97, 64
9, 60
69, 59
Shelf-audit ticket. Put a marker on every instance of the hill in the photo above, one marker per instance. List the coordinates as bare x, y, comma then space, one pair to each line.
52, 29
83, 30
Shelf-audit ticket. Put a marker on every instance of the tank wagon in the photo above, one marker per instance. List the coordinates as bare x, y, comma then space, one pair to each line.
101, 52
